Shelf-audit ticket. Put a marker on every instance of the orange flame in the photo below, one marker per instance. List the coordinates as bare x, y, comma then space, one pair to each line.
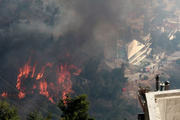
21, 95
23, 72
33, 70
43, 90
52, 90
40, 75
4, 94
64, 78
34, 86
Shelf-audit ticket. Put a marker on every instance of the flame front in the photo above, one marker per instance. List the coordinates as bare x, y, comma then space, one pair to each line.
52, 90
23, 74
64, 78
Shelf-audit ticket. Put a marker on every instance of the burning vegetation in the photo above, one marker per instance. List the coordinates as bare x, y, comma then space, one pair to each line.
30, 80
64, 35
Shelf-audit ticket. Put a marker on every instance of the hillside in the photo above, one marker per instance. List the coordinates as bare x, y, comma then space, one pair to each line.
51, 48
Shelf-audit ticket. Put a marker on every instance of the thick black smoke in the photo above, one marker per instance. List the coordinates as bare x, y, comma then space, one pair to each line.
56, 31
54, 28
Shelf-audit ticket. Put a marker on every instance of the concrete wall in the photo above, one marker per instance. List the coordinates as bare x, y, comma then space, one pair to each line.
163, 105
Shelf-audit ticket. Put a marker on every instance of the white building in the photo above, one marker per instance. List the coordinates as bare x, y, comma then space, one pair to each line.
137, 51
163, 105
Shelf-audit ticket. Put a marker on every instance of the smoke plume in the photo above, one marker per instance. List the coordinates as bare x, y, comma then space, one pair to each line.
56, 31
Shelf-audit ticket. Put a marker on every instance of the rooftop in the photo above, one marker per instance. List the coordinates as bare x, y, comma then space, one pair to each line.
133, 47
163, 105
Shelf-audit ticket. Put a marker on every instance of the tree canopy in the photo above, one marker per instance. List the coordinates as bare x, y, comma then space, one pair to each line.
75, 109
7, 112
37, 116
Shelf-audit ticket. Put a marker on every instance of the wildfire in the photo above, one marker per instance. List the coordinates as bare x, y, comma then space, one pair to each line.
33, 70
43, 90
21, 95
40, 75
24, 72
51, 89
4, 94
64, 78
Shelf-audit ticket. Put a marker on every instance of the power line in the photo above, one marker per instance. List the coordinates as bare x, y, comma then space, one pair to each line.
16, 104
113, 111
27, 98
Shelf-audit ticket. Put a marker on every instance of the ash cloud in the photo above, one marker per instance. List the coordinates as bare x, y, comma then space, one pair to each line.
80, 26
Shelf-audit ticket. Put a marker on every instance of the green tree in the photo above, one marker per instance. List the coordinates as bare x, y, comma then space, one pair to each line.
6, 112
75, 109
90, 69
38, 116
163, 41
178, 61
146, 77
34, 116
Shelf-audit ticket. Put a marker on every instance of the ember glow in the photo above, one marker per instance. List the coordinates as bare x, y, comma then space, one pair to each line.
31, 79
4, 94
